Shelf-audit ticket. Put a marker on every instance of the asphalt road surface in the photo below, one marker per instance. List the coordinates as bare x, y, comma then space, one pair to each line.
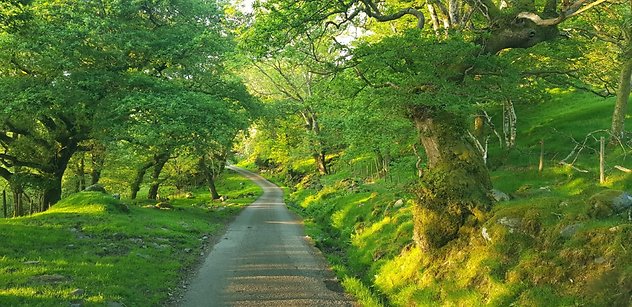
264, 259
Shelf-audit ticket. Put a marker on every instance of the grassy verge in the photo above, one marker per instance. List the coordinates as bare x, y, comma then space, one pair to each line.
91, 249
547, 246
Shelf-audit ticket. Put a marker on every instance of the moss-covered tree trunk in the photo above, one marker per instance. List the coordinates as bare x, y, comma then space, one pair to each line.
621, 105
454, 191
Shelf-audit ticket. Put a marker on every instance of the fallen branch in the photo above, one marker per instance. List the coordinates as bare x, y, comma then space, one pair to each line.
623, 169
573, 167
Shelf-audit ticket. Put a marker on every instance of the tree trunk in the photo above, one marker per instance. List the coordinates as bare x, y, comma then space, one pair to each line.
82, 173
98, 160
321, 163
621, 105
455, 190
4, 204
509, 124
138, 179
17, 203
211, 187
52, 193
210, 178
159, 163
318, 152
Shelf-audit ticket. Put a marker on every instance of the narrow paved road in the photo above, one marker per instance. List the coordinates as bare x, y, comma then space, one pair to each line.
264, 260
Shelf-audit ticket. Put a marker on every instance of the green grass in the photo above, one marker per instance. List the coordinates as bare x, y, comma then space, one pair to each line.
368, 241
88, 241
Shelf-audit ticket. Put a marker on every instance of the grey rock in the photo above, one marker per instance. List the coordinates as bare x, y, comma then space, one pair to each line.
622, 202
498, 195
398, 203
187, 250
136, 240
485, 234
600, 260
511, 222
570, 230
77, 292
114, 304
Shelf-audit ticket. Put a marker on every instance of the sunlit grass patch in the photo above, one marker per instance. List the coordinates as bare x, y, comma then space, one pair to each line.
86, 250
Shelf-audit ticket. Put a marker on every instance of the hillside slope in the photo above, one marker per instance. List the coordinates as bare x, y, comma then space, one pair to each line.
559, 240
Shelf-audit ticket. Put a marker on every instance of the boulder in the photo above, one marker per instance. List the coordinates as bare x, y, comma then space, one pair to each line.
96, 188
570, 230
511, 222
622, 202
485, 234
77, 292
609, 202
498, 195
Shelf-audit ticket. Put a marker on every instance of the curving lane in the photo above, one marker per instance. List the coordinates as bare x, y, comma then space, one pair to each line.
263, 259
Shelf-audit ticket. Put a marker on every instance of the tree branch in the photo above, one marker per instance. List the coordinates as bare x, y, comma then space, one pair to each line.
372, 10
572, 10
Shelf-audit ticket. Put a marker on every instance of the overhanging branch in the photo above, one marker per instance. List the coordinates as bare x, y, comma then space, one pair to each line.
572, 10
372, 10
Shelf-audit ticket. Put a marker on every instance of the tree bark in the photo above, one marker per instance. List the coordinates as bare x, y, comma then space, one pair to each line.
81, 185
52, 193
210, 178
98, 160
321, 163
4, 204
319, 153
621, 105
159, 163
17, 203
138, 179
211, 187
455, 190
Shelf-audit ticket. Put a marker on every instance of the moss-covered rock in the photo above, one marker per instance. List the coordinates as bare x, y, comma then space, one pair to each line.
609, 202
